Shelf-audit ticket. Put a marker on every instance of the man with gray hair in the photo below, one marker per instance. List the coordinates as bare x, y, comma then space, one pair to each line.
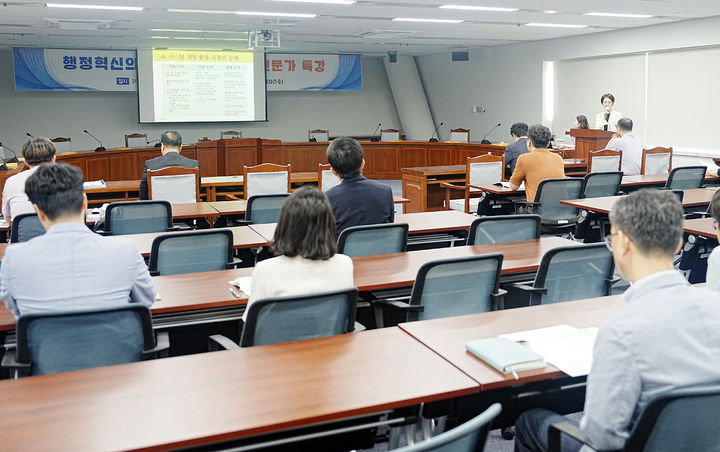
666, 336
624, 141
170, 145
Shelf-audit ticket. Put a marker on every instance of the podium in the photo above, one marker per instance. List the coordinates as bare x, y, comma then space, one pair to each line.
587, 140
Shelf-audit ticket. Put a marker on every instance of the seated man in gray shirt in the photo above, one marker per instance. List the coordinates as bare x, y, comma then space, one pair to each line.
518, 147
624, 141
666, 336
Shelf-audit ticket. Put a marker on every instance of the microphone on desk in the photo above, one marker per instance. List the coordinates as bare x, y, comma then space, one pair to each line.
99, 148
28, 134
432, 137
13, 159
484, 140
374, 137
157, 143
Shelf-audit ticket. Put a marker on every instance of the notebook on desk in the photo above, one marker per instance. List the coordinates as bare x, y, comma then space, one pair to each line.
505, 355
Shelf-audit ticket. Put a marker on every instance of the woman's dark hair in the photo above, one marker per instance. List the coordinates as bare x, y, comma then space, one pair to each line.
38, 150
306, 226
582, 121
607, 96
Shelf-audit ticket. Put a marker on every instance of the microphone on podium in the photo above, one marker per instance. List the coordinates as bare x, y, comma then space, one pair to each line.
432, 137
375, 137
485, 140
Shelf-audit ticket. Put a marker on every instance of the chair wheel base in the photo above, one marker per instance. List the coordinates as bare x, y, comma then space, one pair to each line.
507, 433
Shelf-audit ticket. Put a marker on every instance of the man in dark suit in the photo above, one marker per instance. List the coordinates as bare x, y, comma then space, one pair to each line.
357, 200
170, 144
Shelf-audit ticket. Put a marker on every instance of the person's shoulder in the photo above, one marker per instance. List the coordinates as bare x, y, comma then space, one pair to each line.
341, 259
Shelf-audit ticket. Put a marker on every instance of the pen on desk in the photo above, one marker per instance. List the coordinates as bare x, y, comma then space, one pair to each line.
234, 292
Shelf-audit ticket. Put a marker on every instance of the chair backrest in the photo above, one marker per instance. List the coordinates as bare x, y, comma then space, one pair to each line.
326, 178
25, 227
679, 420
459, 286
657, 160
266, 179
575, 272
596, 185
604, 160
191, 252
484, 169
62, 144
318, 135
264, 208
136, 140
64, 341
686, 177
549, 194
174, 184
137, 217
230, 134
468, 437
461, 135
389, 134
372, 239
503, 228
293, 318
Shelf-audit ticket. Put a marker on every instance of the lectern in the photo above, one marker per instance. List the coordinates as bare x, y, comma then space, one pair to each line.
587, 140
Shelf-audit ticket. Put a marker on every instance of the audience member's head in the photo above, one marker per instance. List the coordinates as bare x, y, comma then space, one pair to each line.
610, 98
306, 226
625, 125
57, 191
345, 156
519, 129
647, 229
539, 136
171, 141
715, 211
582, 122
38, 150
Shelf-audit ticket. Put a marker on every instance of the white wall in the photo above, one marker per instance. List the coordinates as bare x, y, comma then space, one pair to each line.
507, 80
109, 116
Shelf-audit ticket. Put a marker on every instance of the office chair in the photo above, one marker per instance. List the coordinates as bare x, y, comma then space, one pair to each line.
136, 217
62, 144
596, 185
293, 318
191, 252
318, 135
604, 160
230, 134
25, 227
686, 177
503, 228
556, 217
266, 179
460, 134
264, 208
373, 239
136, 140
657, 160
679, 420
566, 273
483, 169
49, 343
174, 184
326, 178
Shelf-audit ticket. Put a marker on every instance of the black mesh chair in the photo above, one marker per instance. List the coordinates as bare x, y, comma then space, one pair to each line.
568, 273
190, 252
293, 318
25, 227
596, 185
137, 217
264, 208
467, 437
503, 228
679, 420
373, 239
556, 217
686, 177
48, 343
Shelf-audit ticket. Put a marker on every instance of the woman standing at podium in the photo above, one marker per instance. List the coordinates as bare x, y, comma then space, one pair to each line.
608, 118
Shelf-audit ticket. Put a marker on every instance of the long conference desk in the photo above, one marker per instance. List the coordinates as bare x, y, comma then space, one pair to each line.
207, 398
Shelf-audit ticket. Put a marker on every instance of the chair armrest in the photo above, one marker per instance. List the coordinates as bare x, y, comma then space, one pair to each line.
162, 345
102, 232
9, 362
527, 288
402, 305
154, 273
235, 263
218, 341
556, 430
612, 281
498, 299
233, 197
358, 327
452, 186
174, 228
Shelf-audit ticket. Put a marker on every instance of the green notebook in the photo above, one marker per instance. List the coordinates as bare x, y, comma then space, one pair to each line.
505, 355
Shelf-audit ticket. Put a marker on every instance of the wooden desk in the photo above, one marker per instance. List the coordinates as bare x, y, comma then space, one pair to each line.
199, 399
239, 207
691, 198
704, 227
653, 180
421, 185
447, 336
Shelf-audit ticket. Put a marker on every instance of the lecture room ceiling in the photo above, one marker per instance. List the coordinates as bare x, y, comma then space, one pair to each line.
362, 26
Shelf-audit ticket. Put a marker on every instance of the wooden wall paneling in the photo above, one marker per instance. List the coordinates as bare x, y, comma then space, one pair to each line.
236, 153
414, 154
98, 168
124, 167
440, 155
382, 160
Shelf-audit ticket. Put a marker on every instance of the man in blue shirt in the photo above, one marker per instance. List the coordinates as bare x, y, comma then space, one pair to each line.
631, 148
518, 147
70, 267
357, 200
666, 336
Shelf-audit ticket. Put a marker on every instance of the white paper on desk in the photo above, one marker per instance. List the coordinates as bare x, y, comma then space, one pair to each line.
506, 184
4, 224
565, 347
243, 283
94, 184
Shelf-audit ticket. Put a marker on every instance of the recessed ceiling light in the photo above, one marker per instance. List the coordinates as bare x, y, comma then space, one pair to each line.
174, 30
70, 5
540, 24
479, 8
633, 16
550, 11
199, 11
441, 21
332, 2
269, 14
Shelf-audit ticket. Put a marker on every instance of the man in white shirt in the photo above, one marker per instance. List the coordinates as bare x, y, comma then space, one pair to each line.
666, 336
631, 148
14, 199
